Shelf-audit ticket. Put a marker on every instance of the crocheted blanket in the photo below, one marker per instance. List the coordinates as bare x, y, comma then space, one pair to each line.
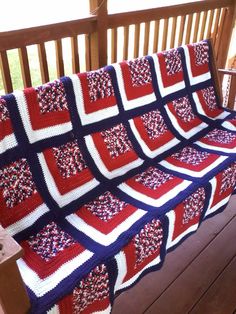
103, 172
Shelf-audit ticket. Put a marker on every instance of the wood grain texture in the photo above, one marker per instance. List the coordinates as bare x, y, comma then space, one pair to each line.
224, 41
209, 27
196, 28
41, 34
165, 33
126, 42
114, 45
139, 298
189, 28
24, 63
43, 63
216, 25
88, 52
156, 36
220, 298
98, 39
136, 40
220, 31
11, 284
215, 73
181, 30
75, 54
59, 58
232, 93
162, 12
5, 70
173, 32
203, 25
146, 38
194, 281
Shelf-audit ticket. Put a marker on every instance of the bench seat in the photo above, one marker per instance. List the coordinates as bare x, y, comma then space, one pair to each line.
104, 172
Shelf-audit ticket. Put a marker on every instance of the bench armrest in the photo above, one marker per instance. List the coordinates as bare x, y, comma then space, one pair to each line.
232, 88
228, 71
13, 296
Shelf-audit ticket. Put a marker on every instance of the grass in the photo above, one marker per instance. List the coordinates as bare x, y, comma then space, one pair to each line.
15, 69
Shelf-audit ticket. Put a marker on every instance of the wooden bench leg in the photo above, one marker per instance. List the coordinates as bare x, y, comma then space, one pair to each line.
232, 92
13, 296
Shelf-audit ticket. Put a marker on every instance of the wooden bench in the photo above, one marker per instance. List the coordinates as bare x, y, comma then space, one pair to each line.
104, 172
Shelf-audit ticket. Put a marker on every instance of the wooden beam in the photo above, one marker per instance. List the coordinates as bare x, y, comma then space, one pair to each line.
162, 12
41, 34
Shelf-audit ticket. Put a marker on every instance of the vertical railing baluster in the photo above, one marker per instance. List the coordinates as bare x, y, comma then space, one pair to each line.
156, 36
126, 42
75, 54
146, 38
114, 45
43, 63
173, 32
181, 30
203, 26
196, 28
165, 33
5, 69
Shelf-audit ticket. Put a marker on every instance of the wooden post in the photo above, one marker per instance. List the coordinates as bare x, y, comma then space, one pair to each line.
215, 73
226, 34
13, 296
99, 39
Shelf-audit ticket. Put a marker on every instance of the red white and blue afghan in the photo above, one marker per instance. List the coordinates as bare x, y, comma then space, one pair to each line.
103, 172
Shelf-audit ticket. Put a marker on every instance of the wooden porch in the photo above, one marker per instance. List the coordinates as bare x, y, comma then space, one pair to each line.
198, 277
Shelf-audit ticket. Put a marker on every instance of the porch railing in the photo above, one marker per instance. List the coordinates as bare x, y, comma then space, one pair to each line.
102, 38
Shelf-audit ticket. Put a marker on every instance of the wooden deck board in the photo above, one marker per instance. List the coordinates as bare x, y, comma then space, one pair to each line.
155, 285
188, 288
221, 296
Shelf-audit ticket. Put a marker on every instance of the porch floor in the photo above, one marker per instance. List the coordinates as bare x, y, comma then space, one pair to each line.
198, 277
